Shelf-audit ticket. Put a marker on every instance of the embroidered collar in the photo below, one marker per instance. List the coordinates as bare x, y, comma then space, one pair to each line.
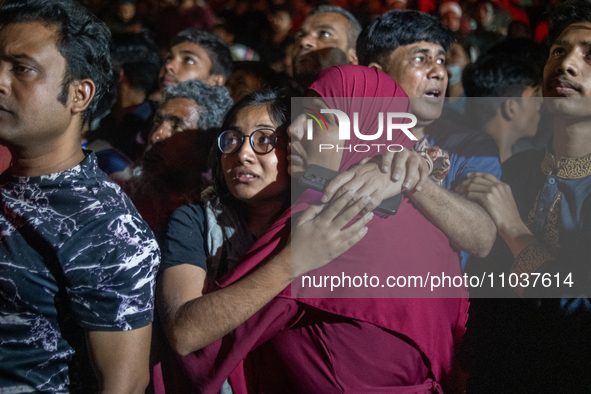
565, 167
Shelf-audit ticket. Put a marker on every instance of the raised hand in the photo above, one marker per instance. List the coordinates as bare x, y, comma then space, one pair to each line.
320, 233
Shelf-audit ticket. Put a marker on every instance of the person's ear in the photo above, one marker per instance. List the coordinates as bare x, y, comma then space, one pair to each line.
532, 91
216, 80
81, 93
352, 56
375, 66
509, 109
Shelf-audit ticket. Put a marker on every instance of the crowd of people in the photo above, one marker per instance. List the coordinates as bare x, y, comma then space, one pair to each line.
154, 231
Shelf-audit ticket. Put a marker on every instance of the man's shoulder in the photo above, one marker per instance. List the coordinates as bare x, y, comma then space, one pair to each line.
60, 205
522, 165
455, 137
101, 192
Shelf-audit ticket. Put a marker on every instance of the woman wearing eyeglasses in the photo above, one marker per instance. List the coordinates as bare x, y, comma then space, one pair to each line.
251, 191
311, 344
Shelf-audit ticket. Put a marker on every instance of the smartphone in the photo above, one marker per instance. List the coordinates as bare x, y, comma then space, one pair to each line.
317, 178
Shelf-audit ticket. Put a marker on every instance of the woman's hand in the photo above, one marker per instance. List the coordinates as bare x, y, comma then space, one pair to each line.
372, 177
320, 235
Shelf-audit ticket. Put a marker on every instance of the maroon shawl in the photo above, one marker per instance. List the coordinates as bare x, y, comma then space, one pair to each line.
396, 245
406, 239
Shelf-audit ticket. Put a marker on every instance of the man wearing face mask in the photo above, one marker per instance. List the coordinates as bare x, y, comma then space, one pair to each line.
458, 57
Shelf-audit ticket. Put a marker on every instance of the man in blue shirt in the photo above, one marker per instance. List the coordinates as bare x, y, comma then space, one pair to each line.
410, 46
541, 209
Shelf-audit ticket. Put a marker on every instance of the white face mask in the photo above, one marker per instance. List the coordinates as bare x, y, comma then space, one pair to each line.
455, 72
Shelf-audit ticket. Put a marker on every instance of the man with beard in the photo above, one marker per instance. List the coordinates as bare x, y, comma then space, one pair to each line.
326, 38
538, 344
173, 169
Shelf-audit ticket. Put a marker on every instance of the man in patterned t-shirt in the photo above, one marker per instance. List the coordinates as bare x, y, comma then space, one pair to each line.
77, 263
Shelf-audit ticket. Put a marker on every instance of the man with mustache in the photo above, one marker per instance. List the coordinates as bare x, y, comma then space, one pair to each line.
541, 344
326, 38
173, 169
410, 47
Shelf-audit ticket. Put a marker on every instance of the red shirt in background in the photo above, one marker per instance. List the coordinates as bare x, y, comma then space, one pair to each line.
5, 158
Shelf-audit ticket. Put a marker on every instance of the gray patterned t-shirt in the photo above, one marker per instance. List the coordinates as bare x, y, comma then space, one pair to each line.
74, 255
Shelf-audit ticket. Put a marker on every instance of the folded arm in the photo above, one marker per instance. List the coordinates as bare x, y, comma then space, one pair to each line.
193, 320
466, 224
497, 199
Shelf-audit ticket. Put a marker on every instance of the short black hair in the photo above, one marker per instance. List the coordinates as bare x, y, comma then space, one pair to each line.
494, 78
398, 28
217, 50
355, 27
524, 49
83, 41
278, 106
269, 78
214, 101
134, 47
142, 76
137, 55
499, 76
567, 13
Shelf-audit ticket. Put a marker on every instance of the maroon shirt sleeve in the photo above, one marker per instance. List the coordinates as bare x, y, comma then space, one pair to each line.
209, 367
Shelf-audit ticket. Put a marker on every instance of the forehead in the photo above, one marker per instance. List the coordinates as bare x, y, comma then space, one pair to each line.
432, 48
450, 15
577, 33
181, 107
189, 47
403, 55
326, 19
33, 39
252, 117
281, 14
456, 49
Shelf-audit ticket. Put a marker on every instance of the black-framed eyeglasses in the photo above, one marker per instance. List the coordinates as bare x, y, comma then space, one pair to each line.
262, 141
